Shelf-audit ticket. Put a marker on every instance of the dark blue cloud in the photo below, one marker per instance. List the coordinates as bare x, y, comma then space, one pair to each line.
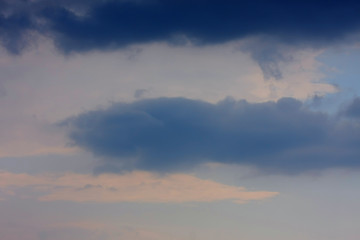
120, 23
169, 134
14, 30
81, 25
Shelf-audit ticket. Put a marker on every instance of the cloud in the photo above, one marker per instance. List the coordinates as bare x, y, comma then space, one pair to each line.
13, 32
269, 54
139, 93
172, 134
120, 23
37, 82
353, 110
130, 187
80, 26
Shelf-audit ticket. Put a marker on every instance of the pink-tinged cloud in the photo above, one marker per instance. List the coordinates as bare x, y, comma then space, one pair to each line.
136, 186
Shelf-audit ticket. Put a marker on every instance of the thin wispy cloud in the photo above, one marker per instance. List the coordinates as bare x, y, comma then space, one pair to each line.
129, 187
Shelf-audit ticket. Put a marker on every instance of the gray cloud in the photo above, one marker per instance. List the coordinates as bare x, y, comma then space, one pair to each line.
139, 93
171, 134
268, 53
353, 109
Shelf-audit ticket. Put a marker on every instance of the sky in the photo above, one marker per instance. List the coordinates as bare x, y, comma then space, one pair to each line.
179, 120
